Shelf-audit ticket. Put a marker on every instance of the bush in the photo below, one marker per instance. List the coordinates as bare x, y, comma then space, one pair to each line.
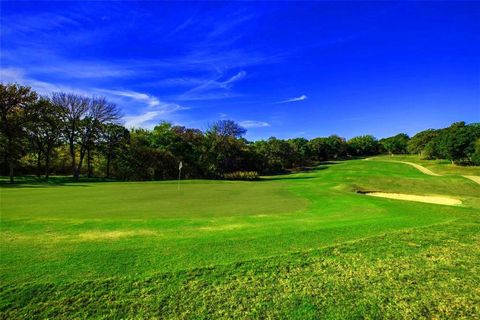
241, 175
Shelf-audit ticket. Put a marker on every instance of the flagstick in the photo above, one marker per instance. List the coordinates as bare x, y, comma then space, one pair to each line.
179, 173
180, 166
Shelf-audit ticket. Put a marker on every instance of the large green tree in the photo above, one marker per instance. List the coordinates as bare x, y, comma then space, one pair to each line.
365, 145
301, 150
99, 113
396, 144
114, 140
16, 110
418, 142
44, 132
224, 150
457, 142
74, 109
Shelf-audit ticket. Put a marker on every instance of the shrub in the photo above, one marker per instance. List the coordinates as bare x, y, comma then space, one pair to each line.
241, 175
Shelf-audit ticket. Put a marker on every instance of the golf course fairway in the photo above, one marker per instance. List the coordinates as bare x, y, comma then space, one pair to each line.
305, 246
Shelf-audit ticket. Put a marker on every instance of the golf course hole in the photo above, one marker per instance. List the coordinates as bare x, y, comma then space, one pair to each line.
410, 197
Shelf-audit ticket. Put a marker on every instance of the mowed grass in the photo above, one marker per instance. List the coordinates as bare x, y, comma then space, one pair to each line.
443, 167
295, 246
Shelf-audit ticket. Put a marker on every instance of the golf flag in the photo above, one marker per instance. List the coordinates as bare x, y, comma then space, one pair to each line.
180, 166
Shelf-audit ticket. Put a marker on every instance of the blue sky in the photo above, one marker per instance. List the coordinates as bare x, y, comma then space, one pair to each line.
280, 69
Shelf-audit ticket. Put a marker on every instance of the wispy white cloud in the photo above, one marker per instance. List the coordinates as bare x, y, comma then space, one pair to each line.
300, 98
149, 118
213, 89
155, 111
254, 124
17, 75
152, 110
150, 100
138, 120
88, 70
226, 26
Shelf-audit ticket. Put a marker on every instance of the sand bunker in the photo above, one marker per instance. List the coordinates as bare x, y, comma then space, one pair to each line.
411, 197
474, 178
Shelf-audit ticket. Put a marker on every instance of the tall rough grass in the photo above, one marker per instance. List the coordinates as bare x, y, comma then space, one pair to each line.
241, 175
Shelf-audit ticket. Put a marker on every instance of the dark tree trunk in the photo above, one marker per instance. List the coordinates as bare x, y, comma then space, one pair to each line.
74, 164
89, 163
80, 161
47, 163
109, 156
39, 164
12, 179
5, 163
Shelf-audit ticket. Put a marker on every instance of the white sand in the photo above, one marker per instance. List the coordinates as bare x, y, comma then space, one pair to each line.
410, 197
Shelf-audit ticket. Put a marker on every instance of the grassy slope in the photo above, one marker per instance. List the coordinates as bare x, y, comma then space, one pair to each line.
443, 167
303, 245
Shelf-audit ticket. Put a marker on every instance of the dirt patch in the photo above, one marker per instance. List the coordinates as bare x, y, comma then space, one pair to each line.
474, 178
113, 235
410, 197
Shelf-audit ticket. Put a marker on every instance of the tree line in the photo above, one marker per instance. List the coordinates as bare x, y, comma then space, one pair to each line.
67, 133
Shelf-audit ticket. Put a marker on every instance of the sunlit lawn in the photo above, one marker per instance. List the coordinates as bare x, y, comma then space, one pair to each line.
303, 245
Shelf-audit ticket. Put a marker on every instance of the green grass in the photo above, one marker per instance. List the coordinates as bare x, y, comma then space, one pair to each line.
296, 246
444, 167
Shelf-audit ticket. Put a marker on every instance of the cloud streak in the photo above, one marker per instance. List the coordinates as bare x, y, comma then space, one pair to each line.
155, 111
148, 119
150, 100
213, 89
300, 98
254, 124
152, 110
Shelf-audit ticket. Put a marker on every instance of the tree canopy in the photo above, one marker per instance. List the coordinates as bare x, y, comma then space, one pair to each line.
72, 134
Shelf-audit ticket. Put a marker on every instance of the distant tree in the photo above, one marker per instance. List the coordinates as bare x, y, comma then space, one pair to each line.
189, 149
418, 143
320, 149
457, 142
114, 140
223, 148
430, 151
141, 161
44, 132
365, 145
396, 144
330, 148
99, 113
336, 147
227, 128
163, 137
276, 155
74, 109
16, 106
301, 151
476, 154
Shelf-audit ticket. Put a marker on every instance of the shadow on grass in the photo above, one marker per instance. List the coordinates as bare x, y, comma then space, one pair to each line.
293, 174
40, 182
68, 181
